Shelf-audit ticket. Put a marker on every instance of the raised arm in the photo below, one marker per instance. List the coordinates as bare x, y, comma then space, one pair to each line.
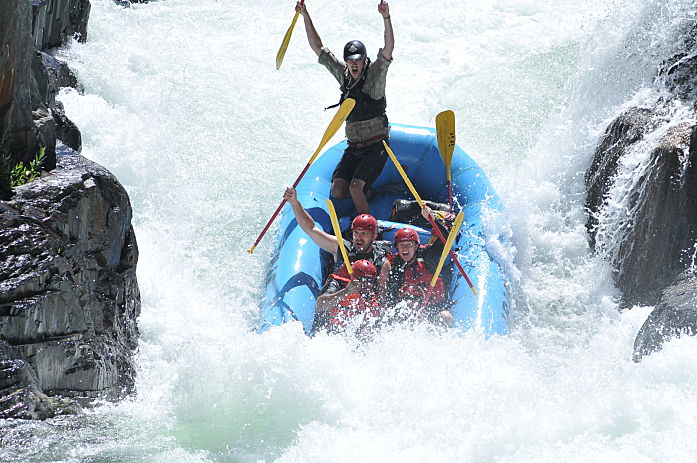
312, 35
321, 238
384, 10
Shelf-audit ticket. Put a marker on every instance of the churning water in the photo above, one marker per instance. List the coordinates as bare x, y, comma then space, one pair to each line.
182, 102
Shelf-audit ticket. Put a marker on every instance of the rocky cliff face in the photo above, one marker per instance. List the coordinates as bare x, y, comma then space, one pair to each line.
653, 240
69, 297
29, 80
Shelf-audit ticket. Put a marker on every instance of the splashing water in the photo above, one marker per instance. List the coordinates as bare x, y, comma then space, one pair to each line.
183, 104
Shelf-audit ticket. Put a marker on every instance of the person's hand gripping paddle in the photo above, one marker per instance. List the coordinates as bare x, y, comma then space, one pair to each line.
444, 254
339, 118
339, 237
436, 230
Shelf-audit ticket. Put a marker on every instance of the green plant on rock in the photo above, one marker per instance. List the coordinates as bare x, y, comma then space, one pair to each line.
14, 174
22, 174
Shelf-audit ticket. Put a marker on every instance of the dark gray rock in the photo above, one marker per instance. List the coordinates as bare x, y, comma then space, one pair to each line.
51, 75
127, 3
19, 94
678, 74
69, 296
21, 397
29, 81
653, 256
45, 128
55, 21
66, 130
675, 316
624, 131
664, 224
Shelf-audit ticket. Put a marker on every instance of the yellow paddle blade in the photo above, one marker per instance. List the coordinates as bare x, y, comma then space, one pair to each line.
445, 130
339, 118
286, 40
403, 174
448, 244
337, 233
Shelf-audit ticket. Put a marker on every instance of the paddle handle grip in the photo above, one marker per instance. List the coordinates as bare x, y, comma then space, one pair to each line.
278, 209
451, 253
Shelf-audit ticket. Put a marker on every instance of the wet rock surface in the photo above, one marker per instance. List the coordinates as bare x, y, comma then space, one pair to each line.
30, 79
675, 316
663, 224
69, 297
653, 256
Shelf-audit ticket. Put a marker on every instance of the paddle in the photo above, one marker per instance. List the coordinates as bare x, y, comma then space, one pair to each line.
339, 237
286, 40
436, 230
445, 129
339, 118
446, 249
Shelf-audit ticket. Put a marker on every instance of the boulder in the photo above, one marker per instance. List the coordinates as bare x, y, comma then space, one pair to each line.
21, 397
675, 316
662, 227
55, 21
69, 296
29, 80
19, 94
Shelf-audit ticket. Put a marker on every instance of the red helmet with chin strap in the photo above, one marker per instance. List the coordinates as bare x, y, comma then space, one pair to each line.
365, 222
364, 269
406, 234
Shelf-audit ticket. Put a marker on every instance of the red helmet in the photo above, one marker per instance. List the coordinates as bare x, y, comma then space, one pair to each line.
365, 222
364, 269
406, 234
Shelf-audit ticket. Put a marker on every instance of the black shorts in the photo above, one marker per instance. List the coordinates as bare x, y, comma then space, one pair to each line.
362, 163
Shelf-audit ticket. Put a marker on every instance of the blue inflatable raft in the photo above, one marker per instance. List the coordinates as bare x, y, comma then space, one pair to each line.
298, 268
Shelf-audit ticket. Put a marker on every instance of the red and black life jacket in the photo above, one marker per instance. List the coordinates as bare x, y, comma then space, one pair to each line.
413, 274
352, 306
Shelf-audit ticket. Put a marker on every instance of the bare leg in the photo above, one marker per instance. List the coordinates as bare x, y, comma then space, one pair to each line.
340, 188
358, 195
447, 317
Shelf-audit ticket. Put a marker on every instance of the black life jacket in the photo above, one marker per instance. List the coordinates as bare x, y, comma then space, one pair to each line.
366, 107
378, 256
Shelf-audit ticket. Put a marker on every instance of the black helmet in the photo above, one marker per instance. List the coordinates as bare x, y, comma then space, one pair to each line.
354, 50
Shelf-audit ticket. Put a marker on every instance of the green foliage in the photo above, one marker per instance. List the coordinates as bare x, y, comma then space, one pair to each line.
14, 174
22, 174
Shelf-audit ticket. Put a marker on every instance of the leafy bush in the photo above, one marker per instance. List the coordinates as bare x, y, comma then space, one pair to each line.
14, 174
22, 174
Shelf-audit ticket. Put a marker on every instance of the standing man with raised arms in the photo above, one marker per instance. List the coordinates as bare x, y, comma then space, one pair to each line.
367, 125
